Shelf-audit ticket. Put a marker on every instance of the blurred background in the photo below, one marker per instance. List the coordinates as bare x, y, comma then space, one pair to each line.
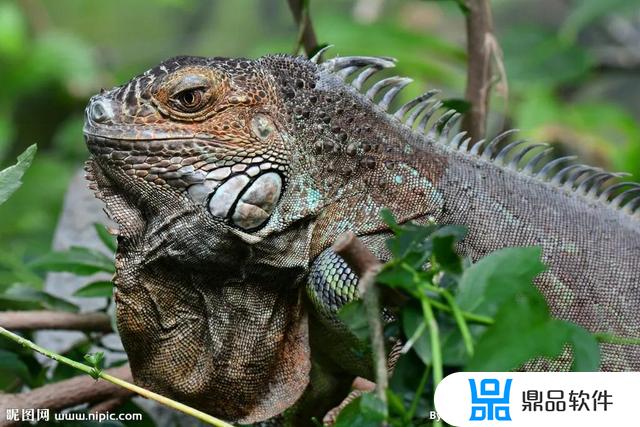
569, 75
572, 67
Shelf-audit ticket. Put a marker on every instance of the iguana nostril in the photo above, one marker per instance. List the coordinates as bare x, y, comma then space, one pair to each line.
99, 112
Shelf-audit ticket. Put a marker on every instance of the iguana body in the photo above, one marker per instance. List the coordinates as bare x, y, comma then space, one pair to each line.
231, 178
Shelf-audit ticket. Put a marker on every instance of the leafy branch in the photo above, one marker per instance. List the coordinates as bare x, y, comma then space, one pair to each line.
457, 316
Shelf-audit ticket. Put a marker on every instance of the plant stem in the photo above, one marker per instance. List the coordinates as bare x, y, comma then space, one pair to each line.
462, 324
436, 351
614, 339
134, 388
419, 391
475, 318
372, 307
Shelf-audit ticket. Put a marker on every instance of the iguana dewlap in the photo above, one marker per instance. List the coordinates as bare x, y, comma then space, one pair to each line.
230, 179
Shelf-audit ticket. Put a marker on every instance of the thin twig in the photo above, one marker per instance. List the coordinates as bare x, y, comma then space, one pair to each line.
436, 349
367, 267
479, 24
44, 319
114, 380
306, 35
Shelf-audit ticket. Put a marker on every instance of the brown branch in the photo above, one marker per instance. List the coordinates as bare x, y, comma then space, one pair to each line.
67, 393
42, 319
479, 24
367, 266
306, 35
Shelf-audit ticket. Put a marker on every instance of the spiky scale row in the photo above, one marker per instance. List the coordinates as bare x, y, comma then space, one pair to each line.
586, 180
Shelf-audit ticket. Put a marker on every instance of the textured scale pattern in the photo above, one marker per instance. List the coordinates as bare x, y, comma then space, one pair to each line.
231, 178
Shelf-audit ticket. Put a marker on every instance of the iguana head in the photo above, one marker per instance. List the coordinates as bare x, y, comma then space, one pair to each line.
227, 177
211, 129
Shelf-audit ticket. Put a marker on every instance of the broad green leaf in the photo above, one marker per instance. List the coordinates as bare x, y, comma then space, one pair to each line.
101, 289
354, 315
106, 238
10, 178
497, 277
522, 331
80, 261
365, 411
20, 297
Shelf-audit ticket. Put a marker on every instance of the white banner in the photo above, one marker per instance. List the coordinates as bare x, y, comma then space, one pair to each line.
546, 399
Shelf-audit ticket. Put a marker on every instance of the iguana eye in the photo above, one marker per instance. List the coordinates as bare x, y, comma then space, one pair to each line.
189, 100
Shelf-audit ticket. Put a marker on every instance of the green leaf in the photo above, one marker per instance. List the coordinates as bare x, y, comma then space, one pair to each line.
10, 363
395, 403
586, 351
390, 220
96, 360
365, 411
354, 315
10, 178
522, 330
100, 289
444, 240
80, 261
21, 297
105, 237
414, 328
497, 277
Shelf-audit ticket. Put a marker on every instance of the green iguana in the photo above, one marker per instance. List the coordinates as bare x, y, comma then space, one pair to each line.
231, 178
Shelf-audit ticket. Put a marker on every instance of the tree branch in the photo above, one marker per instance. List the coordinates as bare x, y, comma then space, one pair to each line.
367, 266
479, 24
306, 35
67, 393
42, 319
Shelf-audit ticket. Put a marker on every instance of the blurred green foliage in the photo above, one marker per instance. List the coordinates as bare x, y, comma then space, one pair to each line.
54, 54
